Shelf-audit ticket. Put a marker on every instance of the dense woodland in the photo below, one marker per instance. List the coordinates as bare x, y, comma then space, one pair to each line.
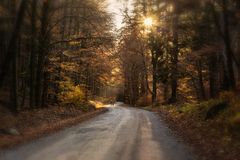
60, 59
179, 50
54, 52
58, 52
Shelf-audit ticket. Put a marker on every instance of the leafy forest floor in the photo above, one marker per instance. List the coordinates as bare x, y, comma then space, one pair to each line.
32, 124
212, 127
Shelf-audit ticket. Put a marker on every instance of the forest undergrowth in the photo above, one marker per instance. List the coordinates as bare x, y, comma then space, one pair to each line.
210, 127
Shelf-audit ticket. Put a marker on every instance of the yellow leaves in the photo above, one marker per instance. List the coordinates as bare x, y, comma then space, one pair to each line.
74, 43
69, 66
70, 94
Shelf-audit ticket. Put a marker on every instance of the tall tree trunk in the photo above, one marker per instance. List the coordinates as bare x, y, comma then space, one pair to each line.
33, 54
228, 50
230, 82
174, 57
11, 50
154, 80
145, 70
14, 86
42, 52
15, 83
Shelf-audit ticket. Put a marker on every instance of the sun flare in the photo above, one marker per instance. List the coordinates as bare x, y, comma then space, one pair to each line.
148, 22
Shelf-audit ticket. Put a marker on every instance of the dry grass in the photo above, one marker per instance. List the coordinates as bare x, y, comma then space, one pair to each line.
211, 139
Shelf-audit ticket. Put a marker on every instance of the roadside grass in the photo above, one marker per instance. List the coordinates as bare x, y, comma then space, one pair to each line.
36, 123
212, 127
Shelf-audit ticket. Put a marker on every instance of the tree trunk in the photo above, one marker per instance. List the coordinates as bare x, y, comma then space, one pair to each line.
230, 82
143, 85
174, 57
42, 52
15, 83
200, 80
45, 89
14, 86
11, 50
154, 75
33, 54
213, 72
145, 70
165, 92
228, 50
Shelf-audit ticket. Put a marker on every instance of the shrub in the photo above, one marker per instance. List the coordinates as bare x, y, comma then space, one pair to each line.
204, 110
186, 108
71, 94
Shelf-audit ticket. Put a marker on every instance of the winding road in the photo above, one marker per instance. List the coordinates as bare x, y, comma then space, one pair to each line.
121, 134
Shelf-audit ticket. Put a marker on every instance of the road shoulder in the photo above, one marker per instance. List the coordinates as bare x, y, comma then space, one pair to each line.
206, 140
41, 126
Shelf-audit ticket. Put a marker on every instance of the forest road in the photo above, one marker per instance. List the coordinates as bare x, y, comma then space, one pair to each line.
121, 134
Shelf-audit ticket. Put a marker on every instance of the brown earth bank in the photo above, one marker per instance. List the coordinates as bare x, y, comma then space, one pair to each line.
210, 140
30, 125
